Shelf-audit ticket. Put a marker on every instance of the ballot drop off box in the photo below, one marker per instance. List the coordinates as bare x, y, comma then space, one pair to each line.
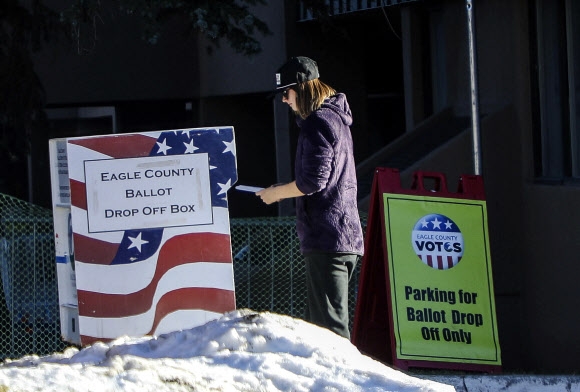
142, 234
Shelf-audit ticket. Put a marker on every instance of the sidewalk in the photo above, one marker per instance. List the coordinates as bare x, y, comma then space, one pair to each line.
508, 383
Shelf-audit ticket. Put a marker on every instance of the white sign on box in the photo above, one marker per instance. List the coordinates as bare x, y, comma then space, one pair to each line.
148, 192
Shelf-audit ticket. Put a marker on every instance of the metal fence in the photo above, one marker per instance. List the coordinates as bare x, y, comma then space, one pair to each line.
269, 274
29, 314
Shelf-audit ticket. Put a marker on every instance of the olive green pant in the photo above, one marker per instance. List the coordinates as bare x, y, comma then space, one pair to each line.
327, 278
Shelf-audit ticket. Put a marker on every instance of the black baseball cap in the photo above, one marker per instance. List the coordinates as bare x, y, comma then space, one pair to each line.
296, 70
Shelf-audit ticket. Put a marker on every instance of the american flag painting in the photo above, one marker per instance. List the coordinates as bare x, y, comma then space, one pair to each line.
157, 258
437, 241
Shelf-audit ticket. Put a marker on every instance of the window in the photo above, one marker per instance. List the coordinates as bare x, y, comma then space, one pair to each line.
82, 121
557, 90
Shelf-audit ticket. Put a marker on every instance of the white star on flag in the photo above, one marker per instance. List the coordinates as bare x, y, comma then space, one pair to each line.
189, 148
230, 146
136, 242
448, 225
163, 147
225, 187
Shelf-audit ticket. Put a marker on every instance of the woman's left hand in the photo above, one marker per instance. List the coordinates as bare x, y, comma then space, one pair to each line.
269, 195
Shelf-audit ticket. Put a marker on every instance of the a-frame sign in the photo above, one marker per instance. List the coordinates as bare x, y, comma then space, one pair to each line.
425, 295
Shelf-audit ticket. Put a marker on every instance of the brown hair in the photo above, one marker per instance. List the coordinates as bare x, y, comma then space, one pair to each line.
310, 95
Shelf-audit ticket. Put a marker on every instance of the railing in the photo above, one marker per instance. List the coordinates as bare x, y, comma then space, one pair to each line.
337, 7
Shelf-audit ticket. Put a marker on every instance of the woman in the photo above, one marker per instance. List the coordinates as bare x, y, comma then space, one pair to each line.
325, 188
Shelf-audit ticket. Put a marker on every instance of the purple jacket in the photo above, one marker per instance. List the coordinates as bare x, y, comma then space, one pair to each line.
327, 216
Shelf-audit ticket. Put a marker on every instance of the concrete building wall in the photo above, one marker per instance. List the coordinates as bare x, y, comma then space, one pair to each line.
115, 64
549, 270
118, 65
226, 73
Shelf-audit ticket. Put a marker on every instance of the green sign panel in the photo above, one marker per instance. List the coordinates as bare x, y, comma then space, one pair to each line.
441, 279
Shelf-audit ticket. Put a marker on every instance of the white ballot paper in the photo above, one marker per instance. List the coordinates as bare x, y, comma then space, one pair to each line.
246, 188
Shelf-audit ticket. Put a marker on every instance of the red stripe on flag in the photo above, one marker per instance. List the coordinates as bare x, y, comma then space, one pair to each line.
207, 299
189, 248
439, 262
93, 251
121, 146
88, 340
118, 305
214, 247
449, 261
78, 194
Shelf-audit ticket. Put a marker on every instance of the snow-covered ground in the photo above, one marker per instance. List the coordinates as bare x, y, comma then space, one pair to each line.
241, 351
